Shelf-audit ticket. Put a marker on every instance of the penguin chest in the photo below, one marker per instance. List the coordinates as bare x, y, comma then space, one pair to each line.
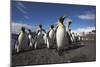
30, 37
60, 36
40, 34
23, 39
31, 40
73, 37
40, 39
51, 34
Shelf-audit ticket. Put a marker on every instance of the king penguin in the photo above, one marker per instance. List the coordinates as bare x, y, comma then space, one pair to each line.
50, 37
39, 40
31, 39
68, 23
73, 37
70, 37
61, 35
22, 40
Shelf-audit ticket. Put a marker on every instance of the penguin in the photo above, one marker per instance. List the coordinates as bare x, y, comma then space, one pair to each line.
68, 23
45, 38
76, 37
22, 40
39, 39
61, 35
50, 37
79, 38
31, 39
70, 37
73, 37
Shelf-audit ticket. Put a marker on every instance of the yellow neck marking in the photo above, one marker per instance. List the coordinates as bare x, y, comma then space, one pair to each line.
61, 26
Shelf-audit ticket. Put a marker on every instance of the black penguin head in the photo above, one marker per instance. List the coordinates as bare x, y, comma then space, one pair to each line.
23, 29
69, 29
40, 25
70, 22
52, 26
61, 19
72, 32
29, 30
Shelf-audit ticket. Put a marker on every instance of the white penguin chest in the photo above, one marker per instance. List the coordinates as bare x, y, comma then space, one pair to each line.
51, 33
73, 36
40, 34
22, 38
60, 32
29, 36
60, 36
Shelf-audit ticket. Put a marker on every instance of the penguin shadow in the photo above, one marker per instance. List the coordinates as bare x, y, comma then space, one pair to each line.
73, 46
41, 46
79, 58
14, 52
53, 46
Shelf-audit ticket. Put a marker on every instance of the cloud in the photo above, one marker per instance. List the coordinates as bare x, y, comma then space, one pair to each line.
21, 7
16, 27
86, 29
26, 17
88, 16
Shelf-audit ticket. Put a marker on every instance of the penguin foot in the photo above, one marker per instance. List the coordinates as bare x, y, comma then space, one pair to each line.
17, 50
56, 50
60, 53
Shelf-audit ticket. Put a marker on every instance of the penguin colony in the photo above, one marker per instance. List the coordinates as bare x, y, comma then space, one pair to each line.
61, 37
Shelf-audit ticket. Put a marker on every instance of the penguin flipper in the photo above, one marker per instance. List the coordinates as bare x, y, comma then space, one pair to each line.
28, 42
56, 29
48, 33
16, 44
16, 41
43, 30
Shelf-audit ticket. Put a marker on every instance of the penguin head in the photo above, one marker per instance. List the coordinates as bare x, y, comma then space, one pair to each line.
23, 29
40, 25
52, 26
70, 30
29, 30
70, 22
61, 19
